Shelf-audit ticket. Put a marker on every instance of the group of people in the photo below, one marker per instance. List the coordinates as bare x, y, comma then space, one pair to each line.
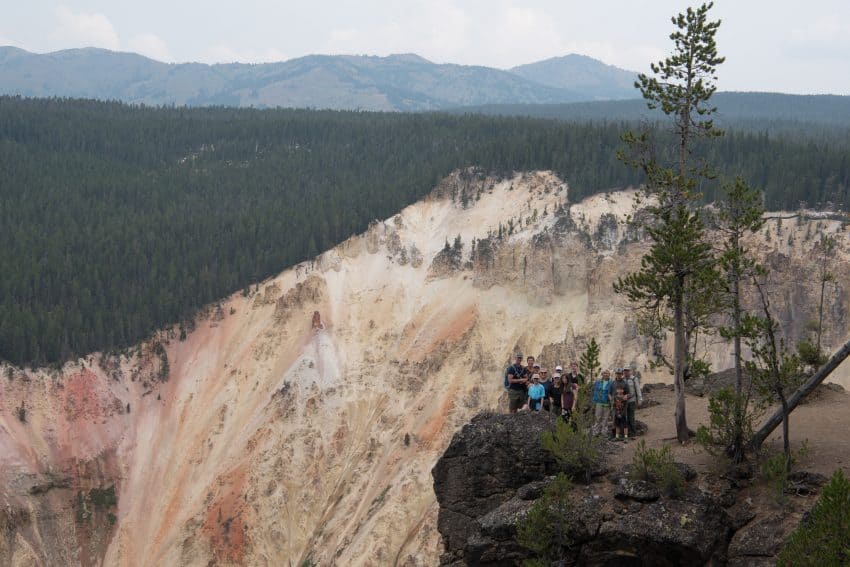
530, 385
616, 399
613, 400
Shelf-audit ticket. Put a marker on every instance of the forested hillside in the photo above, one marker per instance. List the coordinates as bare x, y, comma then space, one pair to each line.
810, 117
116, 220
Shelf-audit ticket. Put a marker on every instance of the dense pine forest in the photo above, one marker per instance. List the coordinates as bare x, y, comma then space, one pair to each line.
116, 220
821, 118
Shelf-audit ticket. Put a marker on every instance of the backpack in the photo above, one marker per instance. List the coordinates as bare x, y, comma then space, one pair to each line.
508, 371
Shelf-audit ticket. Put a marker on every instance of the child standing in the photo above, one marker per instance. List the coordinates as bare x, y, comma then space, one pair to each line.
621, 423
536, 393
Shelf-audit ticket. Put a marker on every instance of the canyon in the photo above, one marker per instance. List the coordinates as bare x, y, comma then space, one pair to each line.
297, 422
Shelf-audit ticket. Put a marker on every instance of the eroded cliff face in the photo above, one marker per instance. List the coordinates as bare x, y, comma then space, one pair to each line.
270, 435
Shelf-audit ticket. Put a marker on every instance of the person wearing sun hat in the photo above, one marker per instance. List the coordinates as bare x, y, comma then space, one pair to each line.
536, 393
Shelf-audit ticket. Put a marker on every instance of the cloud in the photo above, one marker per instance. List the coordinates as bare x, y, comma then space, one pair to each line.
84, 30
435, 29
630, 57
150, 45
825, 38
519, 34
448, 30
223, 53
344, 36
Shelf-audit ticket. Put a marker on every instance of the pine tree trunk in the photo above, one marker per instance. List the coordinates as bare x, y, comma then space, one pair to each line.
679, 355
740, 410
786, 441
820, 314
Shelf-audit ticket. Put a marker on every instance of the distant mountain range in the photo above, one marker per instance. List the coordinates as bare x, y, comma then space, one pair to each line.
394, 83
584, 74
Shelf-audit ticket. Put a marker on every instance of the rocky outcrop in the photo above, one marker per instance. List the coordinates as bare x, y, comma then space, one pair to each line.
495, 468
486, 463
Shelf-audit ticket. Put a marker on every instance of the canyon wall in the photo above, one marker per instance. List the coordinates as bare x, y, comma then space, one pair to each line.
298, 421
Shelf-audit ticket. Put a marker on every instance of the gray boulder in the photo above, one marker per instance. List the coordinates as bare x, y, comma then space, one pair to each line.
488, 460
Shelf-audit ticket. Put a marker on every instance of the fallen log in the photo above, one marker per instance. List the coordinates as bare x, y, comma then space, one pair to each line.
798, 396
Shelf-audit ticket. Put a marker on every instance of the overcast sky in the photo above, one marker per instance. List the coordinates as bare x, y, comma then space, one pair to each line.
778, 45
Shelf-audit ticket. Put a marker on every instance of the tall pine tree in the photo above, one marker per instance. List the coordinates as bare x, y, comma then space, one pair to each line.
679, 267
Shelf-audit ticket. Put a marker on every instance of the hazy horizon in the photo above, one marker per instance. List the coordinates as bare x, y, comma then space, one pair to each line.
774, 48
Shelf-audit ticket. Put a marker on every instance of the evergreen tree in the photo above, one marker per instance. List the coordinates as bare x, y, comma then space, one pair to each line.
776, 371
589, 361
822, 538
118, 220
545, 530
740, 212
679, 268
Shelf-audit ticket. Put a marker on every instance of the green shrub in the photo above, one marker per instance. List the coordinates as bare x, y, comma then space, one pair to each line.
810, 354
585, 396
730, 426
823, 539
657, 466
103, 498
545, 529
574, 446
775, 472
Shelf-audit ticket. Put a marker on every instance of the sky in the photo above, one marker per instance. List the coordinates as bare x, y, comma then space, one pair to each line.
780, 45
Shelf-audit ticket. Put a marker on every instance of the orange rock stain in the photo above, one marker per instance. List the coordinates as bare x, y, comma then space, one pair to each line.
225, 523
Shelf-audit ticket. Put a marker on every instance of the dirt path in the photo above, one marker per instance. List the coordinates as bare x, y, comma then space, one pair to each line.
824, 421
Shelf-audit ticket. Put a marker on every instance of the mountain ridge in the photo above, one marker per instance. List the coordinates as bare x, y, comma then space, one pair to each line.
397, 82
603, 82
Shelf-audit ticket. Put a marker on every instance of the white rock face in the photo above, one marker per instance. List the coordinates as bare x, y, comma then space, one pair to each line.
275, 439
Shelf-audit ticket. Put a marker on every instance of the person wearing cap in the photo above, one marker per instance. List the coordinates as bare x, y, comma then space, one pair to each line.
516, 377
617, 384
536, 393
618, 405
601, 402
516, 369
635, 396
